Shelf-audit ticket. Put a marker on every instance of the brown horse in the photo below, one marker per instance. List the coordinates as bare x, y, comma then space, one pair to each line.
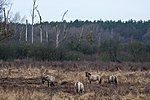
93, 77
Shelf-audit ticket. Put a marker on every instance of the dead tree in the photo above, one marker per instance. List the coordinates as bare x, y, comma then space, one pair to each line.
81, 34
20, 37
46, 36
33, 16
5, 31
6, 17
5, 20
41, 38
26, 35
60, 31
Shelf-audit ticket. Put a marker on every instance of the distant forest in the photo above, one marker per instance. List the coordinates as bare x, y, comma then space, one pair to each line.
77, 40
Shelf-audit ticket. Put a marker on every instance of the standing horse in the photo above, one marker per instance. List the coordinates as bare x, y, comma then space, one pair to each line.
79, 87
93, 77
50, 80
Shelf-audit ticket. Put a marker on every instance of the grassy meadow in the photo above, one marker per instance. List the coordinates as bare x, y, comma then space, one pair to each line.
21, 80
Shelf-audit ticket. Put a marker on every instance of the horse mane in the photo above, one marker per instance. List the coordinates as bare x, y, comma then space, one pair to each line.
87, 73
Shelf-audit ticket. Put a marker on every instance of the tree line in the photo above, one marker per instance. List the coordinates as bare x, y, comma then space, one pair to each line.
75, 40
84, 40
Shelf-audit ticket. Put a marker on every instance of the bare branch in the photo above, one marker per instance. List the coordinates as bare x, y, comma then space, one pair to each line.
39, 15
40, 24
26, 34
59, 31
64, 15
9, 11
33, 9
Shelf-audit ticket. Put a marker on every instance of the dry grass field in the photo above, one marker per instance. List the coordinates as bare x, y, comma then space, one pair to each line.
21, 80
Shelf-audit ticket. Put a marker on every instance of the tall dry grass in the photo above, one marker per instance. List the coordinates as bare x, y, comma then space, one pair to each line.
21, 81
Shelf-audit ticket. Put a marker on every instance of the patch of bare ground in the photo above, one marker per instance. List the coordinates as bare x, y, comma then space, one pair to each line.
21, 80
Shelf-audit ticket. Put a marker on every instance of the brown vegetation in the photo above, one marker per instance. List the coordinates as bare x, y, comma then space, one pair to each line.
20, 80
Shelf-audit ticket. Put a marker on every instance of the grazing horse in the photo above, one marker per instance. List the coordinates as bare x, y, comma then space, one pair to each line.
112, 79
93, 77
50, 80
79, 87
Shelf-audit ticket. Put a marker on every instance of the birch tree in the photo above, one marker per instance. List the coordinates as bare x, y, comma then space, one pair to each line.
99, 31
26, 34
1, 9
46, 36
60, 31
33, 16
81, 34
5, 19
7, 16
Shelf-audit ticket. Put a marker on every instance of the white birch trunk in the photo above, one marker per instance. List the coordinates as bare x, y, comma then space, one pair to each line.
26, 35
33, 20
5, 20
57, 39
46, 36
58, 31
41, 34
20, 36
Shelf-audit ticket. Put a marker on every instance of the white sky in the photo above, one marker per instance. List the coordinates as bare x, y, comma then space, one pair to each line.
52, 10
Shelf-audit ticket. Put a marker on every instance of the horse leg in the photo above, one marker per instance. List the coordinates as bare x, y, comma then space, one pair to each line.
100, 81
52, 84
90, 82
48, 84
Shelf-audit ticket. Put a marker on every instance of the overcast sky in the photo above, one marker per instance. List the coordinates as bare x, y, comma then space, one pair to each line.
52, 10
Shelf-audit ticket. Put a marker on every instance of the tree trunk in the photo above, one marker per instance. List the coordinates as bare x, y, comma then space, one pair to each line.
46, 36
33, 18
26, 35
41, 37
58, 31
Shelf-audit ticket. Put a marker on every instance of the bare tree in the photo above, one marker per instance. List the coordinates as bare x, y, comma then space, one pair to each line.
7, 17
99, 32
20, 32
41, 38
46, 36
5, 14
26, 35
81, 34
59, 31
33, 16
1, 7
2, 4
17, 19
